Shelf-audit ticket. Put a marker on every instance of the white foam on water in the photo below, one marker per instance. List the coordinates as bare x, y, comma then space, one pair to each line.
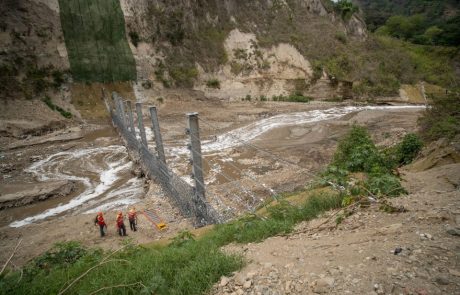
53, 168
249, 132
129, 193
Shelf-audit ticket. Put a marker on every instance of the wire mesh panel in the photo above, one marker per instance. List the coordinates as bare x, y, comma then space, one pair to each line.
94, 32
179, 191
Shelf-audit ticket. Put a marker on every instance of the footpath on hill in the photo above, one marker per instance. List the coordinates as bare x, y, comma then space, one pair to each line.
369, 252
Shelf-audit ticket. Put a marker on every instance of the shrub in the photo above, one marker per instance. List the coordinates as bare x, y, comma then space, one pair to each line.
213, 83
409, 148
134, 36
345, 8
384, 184
58, 78
51, 105
357, 153
341, 37
442, 117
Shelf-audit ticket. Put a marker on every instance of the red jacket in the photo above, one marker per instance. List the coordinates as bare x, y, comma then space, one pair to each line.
132, 215
100, 220
119, 220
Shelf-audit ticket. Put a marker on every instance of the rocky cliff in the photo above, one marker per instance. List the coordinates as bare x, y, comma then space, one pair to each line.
227, 49
232, 49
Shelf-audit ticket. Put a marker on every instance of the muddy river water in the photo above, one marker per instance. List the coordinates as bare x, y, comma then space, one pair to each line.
103, 172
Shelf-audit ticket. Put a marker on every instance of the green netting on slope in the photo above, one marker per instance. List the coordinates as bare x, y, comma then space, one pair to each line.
94, 32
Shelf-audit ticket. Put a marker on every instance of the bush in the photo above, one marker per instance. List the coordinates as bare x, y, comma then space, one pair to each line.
357, 153
134, 36
341, 37
442, 117
51, 105
409, 148
296, 97
384, 184
213, 83
345, 8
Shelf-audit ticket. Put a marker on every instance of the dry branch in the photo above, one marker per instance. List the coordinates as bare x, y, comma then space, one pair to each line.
11, 256
104, 261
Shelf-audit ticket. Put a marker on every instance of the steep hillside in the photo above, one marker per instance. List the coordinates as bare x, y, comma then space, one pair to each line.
267, 48
228, 50
423, 22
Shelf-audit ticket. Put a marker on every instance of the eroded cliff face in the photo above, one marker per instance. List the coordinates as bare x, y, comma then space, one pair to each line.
231, 49
258, 48
32, 46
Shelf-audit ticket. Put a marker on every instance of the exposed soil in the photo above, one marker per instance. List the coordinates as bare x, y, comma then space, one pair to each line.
370, 252
308, 146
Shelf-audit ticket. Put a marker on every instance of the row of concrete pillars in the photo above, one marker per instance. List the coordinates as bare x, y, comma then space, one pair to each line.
124, 111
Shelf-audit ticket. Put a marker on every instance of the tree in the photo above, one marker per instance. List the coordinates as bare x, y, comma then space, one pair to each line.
432, 33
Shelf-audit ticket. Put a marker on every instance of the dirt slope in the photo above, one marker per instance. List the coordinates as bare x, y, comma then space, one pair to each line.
357, 257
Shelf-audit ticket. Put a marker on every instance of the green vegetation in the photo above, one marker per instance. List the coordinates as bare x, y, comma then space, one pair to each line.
345, 8
357, 154
442, 118
51, 105
377, 66
191, 265
295, 97
135, 39
404, 152
94, 32
213, 83
422, 22
187, 266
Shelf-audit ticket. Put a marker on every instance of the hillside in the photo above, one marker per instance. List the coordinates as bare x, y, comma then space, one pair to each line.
422, 22
265, 146
229, 51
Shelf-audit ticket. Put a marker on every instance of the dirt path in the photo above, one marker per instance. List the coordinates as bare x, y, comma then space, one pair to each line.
358, 256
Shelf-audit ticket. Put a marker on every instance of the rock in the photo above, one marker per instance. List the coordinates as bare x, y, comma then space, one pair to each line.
379, 289
391, 229
453, 231
239, 279
323, 285
247, 284
397, 250
287, 286
442, 280
223, 282
250, 275
426, 236
454, 272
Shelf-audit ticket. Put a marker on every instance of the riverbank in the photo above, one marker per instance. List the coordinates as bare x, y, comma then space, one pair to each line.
308, 145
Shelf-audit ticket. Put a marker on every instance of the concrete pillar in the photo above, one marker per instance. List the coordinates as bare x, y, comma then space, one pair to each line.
122, 110
197, 163
116, 104
157, 134
140, 123
129, 109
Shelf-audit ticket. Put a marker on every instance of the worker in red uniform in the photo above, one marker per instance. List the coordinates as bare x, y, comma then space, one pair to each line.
101, 222
132, 217
121, 225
